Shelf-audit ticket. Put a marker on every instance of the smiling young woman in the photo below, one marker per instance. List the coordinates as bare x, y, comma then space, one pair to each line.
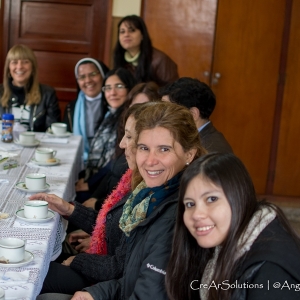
134, 52
227, 240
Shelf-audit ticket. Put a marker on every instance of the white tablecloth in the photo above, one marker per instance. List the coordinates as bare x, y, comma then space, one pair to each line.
43, 239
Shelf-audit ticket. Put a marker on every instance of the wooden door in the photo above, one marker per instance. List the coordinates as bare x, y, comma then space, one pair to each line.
60, 33
185, 31
246, 60
287, 172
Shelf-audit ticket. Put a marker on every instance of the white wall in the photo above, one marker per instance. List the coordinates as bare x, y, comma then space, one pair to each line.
122, 8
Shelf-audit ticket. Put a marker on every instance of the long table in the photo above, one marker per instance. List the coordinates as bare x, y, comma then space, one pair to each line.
43, 239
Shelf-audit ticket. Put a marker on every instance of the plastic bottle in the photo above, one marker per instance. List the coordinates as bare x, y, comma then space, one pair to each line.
7, 128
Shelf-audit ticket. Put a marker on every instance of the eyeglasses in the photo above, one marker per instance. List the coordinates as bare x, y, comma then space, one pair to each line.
90, 75
118, 87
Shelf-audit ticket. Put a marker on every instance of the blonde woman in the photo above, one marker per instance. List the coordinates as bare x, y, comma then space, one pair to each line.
33, 104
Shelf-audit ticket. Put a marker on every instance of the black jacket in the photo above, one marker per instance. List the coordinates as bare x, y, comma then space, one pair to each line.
100, 267
272, 264
41, 115
148, 250
104, 187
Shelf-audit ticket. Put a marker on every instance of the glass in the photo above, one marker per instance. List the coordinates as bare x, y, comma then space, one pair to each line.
90, 75
118, 86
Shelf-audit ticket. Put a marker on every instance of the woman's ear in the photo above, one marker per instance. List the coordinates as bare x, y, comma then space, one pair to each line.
190, 154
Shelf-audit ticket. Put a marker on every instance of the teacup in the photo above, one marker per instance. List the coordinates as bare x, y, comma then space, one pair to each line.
59, 128
27, 137
12, 249
36, 209
44, 154
35, 181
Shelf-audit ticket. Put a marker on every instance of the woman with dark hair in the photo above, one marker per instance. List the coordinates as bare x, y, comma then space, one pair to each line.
33, 104
227, 245
84, 115
134, 52
116, 86
101, 259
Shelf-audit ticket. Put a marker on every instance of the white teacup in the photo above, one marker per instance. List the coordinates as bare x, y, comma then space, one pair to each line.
27, 137
35, 181
44, 154
59, 128
36, 209
12, 249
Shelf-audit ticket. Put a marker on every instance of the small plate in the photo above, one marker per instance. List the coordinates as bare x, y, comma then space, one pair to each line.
64, 135
36, 143
45, 163
27, 259
20, 214
22, 187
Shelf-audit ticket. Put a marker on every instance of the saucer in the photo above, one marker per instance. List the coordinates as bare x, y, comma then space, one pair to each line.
20, 214
46, 163
22, 187
27, 259
63, 135
34, 144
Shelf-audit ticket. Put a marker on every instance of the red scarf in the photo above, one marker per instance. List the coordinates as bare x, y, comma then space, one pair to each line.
98, 243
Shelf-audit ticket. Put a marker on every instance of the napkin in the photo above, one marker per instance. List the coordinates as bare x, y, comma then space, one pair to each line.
55, 140
15, 276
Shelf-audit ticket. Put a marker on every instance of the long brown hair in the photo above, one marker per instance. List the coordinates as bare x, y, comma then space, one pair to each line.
175, 118
188, 259
33, 95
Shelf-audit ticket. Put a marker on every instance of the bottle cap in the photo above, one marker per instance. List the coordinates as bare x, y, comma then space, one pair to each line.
8, 117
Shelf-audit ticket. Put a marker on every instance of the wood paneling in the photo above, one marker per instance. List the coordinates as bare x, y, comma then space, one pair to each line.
288, 160
60, 33
247, 55
185, 31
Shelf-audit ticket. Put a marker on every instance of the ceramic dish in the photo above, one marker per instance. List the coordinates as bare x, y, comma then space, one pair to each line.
64, 135
22, 187
20, 214
27, 259
46, 163
36, 143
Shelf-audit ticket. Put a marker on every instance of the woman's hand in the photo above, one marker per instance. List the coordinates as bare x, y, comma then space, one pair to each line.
81, 186
82, 296
90, 202
81, 238
55, 203
68, 261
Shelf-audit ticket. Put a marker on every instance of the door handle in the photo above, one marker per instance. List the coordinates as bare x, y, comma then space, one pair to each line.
215, 79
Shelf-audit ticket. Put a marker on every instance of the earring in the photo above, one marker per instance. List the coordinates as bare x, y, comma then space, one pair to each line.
187, 163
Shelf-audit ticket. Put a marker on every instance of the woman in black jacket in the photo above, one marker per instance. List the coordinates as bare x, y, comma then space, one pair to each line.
164, 149
33, 104
227, 245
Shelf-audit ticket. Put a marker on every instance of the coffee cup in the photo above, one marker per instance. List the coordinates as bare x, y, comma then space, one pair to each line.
36, 209
12, 249
27, 137
35, 181
44, 154
59, 128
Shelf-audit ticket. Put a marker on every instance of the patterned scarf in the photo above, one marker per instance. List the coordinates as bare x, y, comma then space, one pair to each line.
143, 201
259, 221
98, 243
103, 144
